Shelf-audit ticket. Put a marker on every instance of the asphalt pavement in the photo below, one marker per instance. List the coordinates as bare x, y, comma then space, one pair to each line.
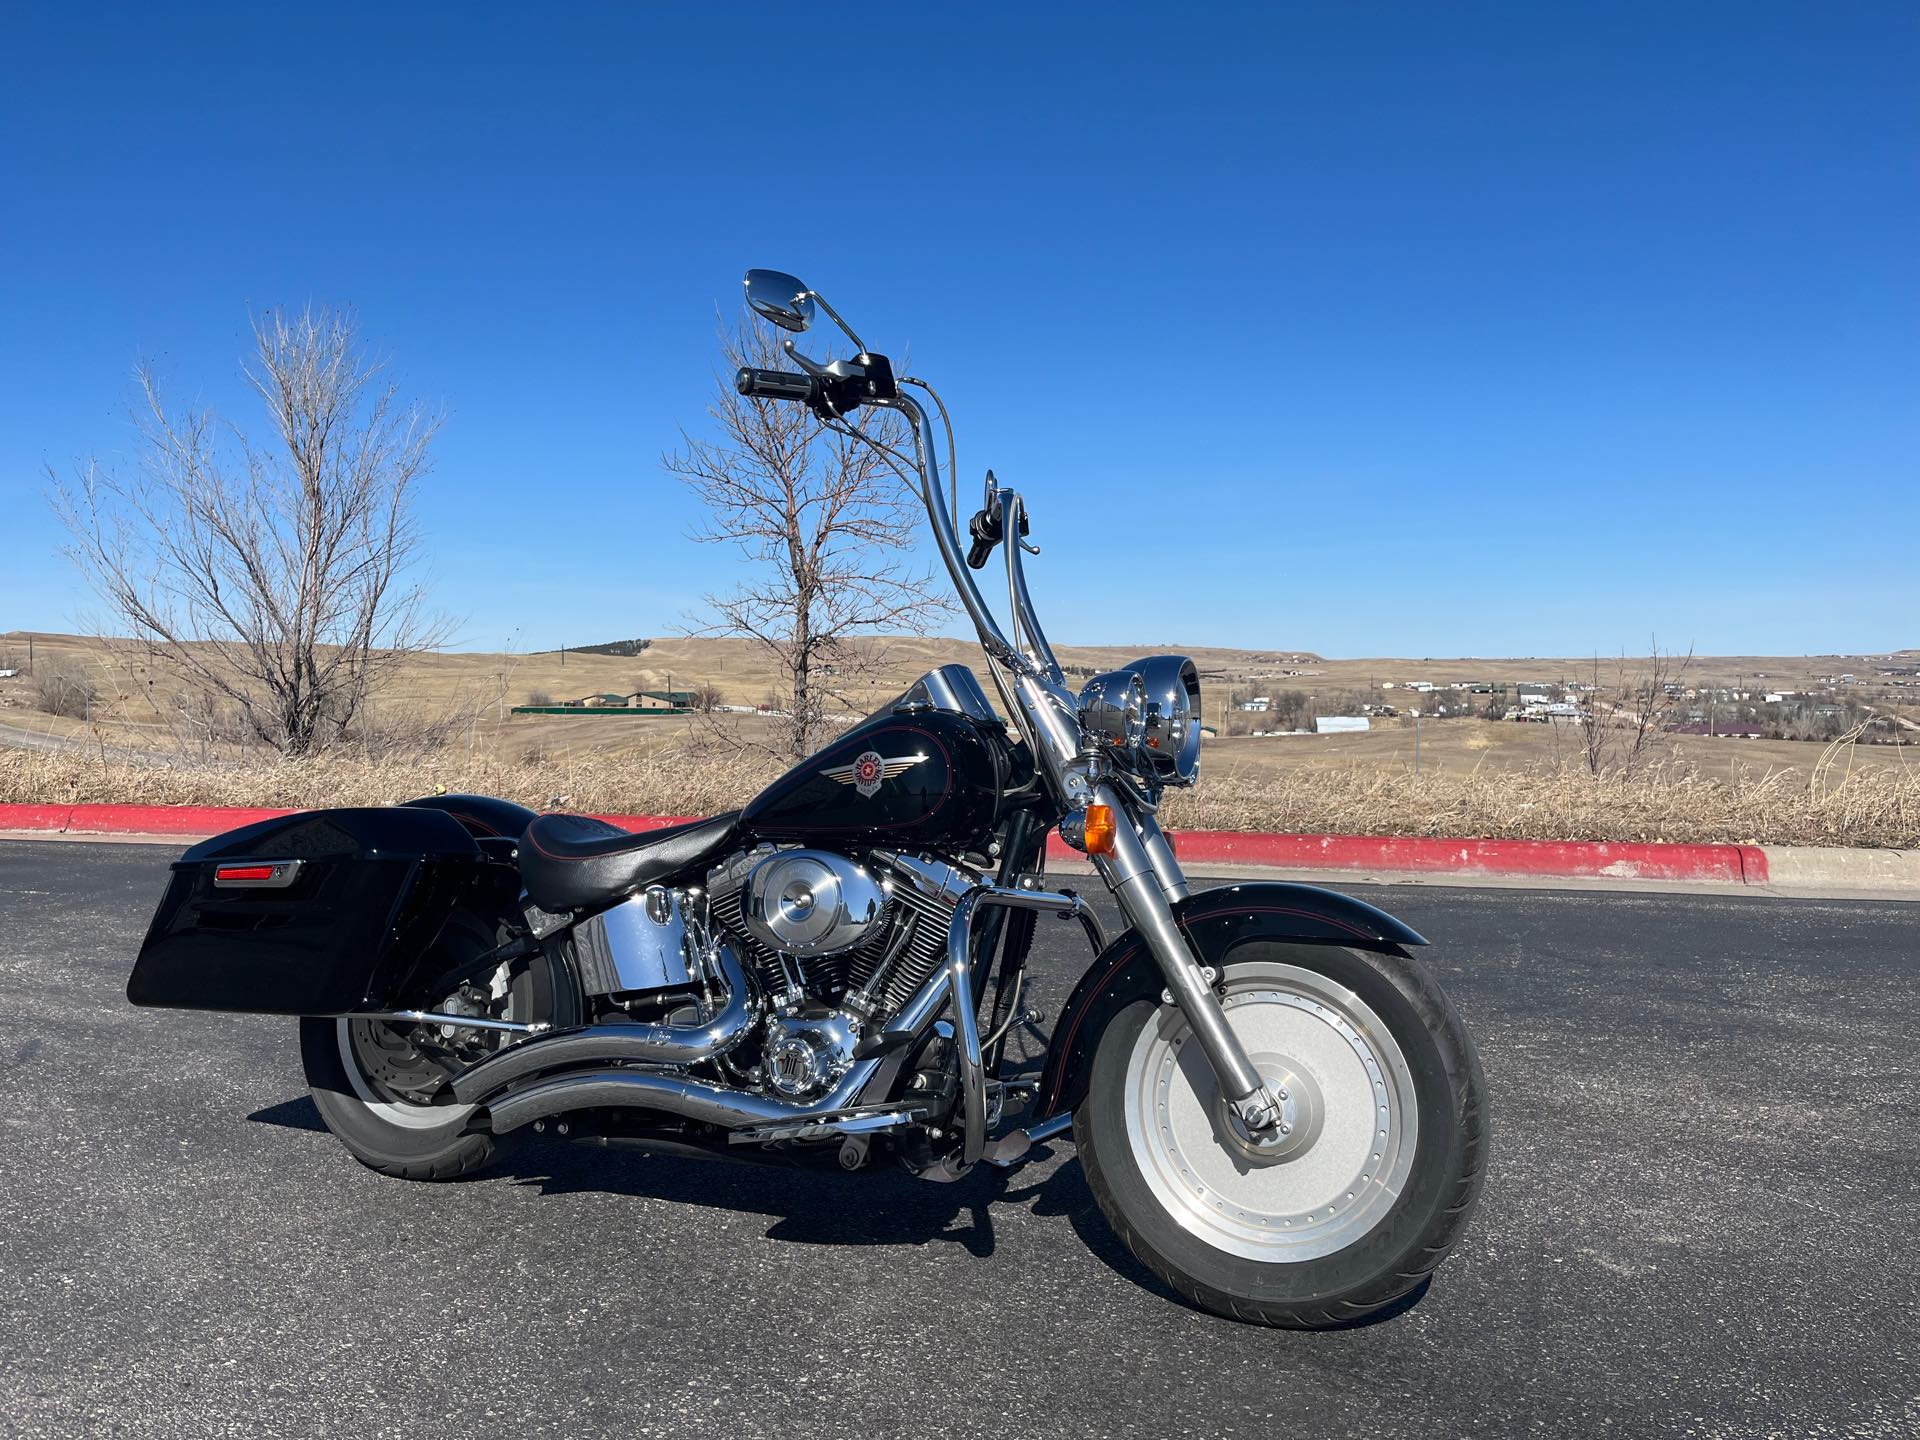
1701, 1220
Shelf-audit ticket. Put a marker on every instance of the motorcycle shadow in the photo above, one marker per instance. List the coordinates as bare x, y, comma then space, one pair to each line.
879, 1207
806, 1206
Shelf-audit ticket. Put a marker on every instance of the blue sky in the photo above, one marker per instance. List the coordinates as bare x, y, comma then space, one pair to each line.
1378, 329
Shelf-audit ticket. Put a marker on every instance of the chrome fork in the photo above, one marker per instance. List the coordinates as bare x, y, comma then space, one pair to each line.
1140, 870
1145, 878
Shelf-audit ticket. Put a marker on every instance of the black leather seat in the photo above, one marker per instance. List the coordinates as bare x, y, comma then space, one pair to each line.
574, 862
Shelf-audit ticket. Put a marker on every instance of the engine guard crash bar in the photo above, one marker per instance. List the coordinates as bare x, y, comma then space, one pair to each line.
956, 978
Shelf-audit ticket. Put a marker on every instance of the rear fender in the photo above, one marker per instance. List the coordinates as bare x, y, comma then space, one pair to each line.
483, 816
1214, 922
355, 900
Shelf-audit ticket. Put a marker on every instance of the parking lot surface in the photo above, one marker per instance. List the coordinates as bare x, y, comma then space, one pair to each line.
1701, 1220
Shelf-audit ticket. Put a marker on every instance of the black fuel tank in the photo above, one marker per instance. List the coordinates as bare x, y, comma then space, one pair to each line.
920, 778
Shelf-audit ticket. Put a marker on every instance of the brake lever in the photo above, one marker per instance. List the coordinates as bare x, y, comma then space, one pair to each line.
811, 366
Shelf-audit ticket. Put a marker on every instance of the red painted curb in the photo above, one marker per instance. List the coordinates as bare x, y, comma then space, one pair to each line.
1724, 864
158, 819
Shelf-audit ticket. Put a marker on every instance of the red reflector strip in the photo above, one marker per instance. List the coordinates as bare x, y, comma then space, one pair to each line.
244, 872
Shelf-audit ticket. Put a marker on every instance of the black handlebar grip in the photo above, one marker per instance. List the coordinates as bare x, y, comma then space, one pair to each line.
775, 384
985, 529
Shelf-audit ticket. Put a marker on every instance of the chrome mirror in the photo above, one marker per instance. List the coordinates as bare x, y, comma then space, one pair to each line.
776, 296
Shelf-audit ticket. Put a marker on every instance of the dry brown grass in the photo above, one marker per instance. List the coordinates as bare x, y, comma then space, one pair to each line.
1840, 805
1867, 807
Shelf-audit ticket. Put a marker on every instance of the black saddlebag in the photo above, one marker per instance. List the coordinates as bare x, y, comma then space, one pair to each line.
321, 913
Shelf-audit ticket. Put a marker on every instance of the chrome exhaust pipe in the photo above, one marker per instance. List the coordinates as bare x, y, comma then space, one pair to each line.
669, 1094
606, 1044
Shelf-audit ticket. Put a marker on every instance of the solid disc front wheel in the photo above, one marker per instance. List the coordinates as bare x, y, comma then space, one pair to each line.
1370, 1176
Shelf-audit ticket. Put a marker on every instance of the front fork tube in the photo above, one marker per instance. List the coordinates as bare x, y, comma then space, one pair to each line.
1145, 878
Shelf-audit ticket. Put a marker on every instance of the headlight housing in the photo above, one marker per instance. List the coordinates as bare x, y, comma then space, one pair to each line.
1113, 710
1171, 736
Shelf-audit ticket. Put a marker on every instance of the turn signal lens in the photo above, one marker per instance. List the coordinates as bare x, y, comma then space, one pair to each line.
1100, 830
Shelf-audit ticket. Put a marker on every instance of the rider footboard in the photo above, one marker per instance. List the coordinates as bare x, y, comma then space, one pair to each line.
321, 913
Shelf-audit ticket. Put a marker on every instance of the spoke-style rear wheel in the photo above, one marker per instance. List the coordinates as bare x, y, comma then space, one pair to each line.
1376, 1166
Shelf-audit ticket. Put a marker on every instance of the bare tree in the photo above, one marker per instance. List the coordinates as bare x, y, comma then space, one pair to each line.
1625, 716
1652, 699
273, 576
822, 519
706, 697
1597, 732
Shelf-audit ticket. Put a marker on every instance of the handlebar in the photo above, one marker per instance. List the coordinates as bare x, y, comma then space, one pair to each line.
776, 384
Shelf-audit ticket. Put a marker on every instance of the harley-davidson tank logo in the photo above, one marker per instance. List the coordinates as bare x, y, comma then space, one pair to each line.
869, 769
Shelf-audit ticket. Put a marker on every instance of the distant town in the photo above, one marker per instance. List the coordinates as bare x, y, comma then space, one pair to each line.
1832, 705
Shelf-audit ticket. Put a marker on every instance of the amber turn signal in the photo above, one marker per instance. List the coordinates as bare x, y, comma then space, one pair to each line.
1100, 830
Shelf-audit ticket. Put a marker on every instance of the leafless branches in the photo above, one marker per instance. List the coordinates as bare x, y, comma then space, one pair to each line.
821, 521
272, 576
1628, 711
65, 690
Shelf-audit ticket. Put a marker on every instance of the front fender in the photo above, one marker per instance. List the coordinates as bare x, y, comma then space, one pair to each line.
1214, 922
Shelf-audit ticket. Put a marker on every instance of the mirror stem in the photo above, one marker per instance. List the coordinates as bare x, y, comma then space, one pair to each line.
834, 315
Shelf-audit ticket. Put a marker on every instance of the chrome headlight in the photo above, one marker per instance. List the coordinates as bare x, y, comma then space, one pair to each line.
1113, 710
1172, 732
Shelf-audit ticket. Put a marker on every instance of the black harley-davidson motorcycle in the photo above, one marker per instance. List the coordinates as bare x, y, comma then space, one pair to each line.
1276, 1107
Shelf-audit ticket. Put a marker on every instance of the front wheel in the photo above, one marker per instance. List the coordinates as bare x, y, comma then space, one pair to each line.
1375, 1172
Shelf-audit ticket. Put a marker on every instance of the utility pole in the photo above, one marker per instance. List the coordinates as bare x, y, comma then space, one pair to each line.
1416, 744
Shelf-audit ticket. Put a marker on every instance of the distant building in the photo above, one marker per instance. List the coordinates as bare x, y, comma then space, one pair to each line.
660, 700
1340, 724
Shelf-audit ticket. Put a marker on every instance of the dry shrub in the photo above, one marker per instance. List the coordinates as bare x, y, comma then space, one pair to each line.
1876, 806
64, 690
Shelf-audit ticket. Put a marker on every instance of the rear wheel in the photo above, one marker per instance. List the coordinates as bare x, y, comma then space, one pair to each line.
380, 1085
1375, 1172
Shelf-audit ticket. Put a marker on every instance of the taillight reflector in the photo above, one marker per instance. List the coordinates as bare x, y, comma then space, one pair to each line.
244, 872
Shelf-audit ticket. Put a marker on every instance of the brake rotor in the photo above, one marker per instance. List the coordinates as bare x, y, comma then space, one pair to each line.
413, 1061
391, 1061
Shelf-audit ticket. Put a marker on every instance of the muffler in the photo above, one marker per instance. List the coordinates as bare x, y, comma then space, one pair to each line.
607, 1044
667, 1094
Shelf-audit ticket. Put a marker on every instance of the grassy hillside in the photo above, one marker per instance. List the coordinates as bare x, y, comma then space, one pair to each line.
1474, 776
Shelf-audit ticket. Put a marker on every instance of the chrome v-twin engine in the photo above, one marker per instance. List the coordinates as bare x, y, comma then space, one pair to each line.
817, 946
814, 924
836, 946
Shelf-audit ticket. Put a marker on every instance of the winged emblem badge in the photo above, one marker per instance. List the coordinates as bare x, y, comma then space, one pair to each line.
869, 769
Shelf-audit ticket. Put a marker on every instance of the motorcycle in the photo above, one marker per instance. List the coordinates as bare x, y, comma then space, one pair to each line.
1275, 1106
